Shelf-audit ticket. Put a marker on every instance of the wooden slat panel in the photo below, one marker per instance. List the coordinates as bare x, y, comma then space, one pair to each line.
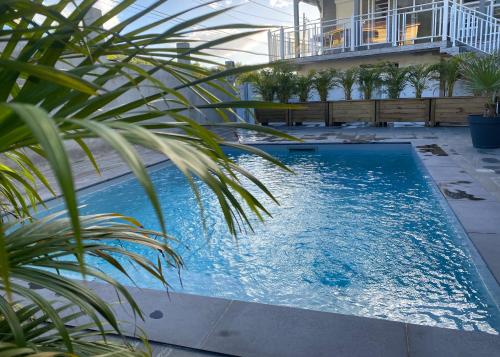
391, 110
271, 115
352, 110
456, 109
310, 112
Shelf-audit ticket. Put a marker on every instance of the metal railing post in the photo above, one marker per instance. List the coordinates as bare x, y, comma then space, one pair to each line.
282, 43
353, 33
395, 28
321, 39
270, 45
453, 24
444, 21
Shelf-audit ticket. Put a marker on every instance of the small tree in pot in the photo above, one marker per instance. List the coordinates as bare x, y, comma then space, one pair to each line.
394, 79
284, 81
482, 76
263, 83
304, 85
369, 79
346, 80
418, 77
323, 81
449, 73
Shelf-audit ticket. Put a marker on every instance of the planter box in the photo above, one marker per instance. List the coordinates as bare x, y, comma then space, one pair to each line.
455, 109
347, 111
310, 112
485, 132
266, 116
403, 110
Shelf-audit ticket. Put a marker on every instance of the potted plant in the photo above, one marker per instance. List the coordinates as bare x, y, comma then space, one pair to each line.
448, 73
304, 85
309, 111
346, 80
394, 79
397, 109
264, 84
323, 81
418, 77
482, 76
284, 81
369, 79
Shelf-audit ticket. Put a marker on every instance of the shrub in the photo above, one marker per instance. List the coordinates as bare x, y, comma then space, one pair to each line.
369, 79
482, 77
264, 83
285, 82
448, 73
346, 80
394, 79
323, 81
304, 85
418, 77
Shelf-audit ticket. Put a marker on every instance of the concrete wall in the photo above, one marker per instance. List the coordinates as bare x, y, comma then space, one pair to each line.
147, 88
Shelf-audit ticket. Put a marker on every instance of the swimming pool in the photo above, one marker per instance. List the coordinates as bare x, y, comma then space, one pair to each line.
360, 230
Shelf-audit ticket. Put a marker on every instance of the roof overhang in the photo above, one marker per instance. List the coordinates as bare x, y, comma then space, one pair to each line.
317, 3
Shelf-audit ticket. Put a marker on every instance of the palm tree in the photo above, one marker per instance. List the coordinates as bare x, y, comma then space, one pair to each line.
346, 79
369, 79
394, 79
59, 76
418, 77
284, 79
323, 81
304, 85
482, 77
264, 83
448, 71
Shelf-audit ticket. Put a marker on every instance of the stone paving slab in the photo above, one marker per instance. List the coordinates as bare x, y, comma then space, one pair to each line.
488, 246
424, 341
477, 216
448, 173
464, 190
251, 329
178, 319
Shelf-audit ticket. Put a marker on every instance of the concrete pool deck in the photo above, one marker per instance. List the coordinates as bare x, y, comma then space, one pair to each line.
470, 182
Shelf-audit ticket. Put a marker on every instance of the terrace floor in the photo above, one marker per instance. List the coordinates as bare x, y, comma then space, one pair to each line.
190, 325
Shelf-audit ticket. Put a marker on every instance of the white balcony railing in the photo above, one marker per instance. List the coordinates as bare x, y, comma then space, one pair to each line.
432, 22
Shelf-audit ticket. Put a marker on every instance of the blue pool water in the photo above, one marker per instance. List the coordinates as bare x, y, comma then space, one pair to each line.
360, 230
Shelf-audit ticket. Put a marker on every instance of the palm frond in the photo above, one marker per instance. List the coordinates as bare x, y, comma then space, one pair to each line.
68, 78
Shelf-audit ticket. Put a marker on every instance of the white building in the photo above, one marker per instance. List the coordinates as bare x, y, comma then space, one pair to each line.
356, 32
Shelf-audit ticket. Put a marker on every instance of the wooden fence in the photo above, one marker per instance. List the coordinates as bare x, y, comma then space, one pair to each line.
431, 111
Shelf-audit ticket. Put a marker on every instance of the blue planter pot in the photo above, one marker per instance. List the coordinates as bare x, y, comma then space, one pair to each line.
485, 132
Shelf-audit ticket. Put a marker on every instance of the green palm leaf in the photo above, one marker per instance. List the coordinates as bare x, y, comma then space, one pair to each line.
59, 76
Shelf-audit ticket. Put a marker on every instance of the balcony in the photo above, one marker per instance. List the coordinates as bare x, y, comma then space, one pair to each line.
443, 23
